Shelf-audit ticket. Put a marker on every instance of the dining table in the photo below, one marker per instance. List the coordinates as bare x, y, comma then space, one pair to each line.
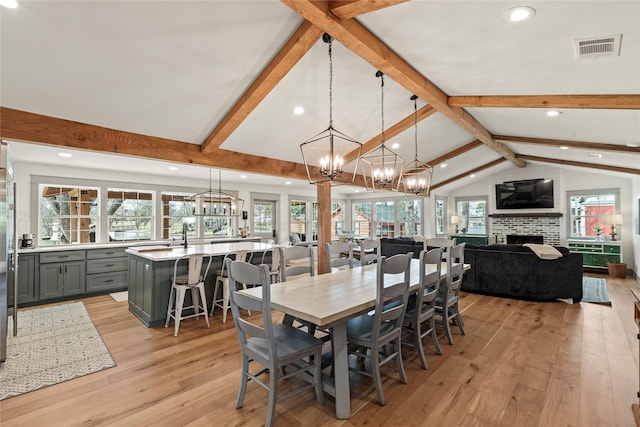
329, 301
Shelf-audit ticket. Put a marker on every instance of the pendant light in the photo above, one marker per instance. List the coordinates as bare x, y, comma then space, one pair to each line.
326, 154
216, 203
416, 178
382, 168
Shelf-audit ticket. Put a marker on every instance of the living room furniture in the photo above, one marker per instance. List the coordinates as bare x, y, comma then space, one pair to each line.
515, 271
597, 254
472, 240
400, 245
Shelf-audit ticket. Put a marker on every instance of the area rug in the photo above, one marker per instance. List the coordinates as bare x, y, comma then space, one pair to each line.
53, 345
595, 290
120, 296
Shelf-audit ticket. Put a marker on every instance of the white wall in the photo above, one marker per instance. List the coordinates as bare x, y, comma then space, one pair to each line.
634, 229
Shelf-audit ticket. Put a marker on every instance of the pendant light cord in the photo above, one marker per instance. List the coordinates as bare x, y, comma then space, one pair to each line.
381, 75
415, 123
329, 40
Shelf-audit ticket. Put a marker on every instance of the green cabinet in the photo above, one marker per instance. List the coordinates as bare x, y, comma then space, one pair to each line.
62, 274
106, 270
597, 254
472, 240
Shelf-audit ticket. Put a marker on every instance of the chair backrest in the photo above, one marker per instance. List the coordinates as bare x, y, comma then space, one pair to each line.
456, 267
440, 242
295, 260
256, 275
194, 272
369, 251
391, 298
335, 252
429, 283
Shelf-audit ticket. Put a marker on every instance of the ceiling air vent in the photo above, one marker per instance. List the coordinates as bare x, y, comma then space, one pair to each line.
598, 47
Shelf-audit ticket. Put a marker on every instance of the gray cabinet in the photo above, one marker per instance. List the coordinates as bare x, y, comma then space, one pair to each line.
62, 274
27, 279
106, 270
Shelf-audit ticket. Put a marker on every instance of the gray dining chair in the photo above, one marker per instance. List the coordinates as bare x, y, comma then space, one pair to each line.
193, 280
296, 260
447, 299
339, 254
282, 351
369, 251
421, 305
377, 338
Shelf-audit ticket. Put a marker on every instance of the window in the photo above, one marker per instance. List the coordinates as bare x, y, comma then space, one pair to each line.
337, 219
473, 211
410, 218
130, 215
362, 219
68, 214
441, 216
588, 210
177, 209
385, 217
298, 219
263, 218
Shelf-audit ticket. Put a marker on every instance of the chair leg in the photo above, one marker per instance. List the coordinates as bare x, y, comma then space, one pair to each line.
172, 295
215, 301
398, 349
225, 298
434, 334
447, 324
203, 298
317, 377
375, 374
273, 394
178, 313
417, 332
243, 382
195, 301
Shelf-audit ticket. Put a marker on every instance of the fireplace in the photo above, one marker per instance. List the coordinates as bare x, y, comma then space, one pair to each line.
519, 239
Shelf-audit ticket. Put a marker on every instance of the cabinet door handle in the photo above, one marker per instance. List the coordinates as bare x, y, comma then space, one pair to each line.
109, 253
108, 265
63, 256
65, 268
60, 269
108, 281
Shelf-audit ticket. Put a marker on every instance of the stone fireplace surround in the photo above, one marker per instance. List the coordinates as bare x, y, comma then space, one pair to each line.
546, 225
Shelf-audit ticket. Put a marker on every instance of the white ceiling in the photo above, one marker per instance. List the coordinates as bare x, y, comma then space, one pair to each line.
174, 69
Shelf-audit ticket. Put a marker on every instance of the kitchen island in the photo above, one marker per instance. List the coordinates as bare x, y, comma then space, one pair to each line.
151, 272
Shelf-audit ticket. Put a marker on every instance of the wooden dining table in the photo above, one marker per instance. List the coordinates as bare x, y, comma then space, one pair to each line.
329, 301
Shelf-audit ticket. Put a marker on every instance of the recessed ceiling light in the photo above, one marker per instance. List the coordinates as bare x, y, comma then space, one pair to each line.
288, 182
594, 155
357, 191
11, 4
444, 165
243, 176
473, 175
299, 110
395, 146
519, 13
65, 155
564, 147
173, 168
633, 145
553, 113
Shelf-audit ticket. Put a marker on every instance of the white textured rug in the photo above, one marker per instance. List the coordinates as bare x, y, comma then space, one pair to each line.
120, 296
54, 344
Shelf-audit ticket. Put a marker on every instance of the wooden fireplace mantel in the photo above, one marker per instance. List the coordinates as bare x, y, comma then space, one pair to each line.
527, 215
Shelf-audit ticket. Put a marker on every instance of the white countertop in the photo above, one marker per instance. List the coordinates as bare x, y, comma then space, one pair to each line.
164, 253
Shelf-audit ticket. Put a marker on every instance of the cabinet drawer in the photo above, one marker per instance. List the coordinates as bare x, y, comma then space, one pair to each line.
106, 265
106, 253
62, 256
106, 281
611, 249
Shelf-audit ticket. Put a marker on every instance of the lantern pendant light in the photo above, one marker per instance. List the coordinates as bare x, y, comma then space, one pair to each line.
326, 154
382, 167
416, 178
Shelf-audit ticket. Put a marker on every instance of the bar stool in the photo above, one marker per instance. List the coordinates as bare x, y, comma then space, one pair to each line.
222, 279
193, 280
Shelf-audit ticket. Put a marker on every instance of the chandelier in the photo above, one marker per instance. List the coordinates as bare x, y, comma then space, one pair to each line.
382, 168
212, 203
326, 154
417, 175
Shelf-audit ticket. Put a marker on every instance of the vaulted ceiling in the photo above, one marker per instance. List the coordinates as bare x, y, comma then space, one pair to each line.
214, 83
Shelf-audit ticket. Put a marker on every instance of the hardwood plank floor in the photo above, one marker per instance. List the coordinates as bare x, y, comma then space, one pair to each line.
521, 363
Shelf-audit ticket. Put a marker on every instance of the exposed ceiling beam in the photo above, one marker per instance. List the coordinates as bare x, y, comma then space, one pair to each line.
353, 8
451, 154
294, 49
467, 173
394, 130
365, 44
614, 102
560, 142
35, 128
581, 164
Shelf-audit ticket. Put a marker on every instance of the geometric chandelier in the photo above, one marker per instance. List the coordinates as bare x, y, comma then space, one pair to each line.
382, 168
326, 154
416, 178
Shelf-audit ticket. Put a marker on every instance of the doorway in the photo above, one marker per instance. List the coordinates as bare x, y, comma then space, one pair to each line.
263, 219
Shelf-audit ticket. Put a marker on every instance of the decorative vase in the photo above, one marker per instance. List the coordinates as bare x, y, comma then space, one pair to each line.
617, 270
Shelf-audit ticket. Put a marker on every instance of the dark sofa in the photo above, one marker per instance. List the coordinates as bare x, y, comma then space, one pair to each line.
510, 270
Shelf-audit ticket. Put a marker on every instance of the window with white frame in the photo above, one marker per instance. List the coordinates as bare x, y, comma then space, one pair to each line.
473, 211
337, 219
178, 209
68, 214
410, 217
298, 220
589, 210
441, 216
129, 214
361, 219
385, 219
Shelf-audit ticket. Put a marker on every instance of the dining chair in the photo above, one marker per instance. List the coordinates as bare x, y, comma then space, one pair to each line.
339, 254
377, 338
222, 280
296, 260
274, 266
447, 299
369, 251
193, 280
282, 351
421, 305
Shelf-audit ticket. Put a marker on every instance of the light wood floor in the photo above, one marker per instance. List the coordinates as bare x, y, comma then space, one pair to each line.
521, 363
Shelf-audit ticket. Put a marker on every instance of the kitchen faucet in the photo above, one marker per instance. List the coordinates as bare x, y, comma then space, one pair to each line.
184, 233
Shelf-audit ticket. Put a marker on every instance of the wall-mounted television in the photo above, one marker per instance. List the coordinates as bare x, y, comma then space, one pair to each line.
525, 194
